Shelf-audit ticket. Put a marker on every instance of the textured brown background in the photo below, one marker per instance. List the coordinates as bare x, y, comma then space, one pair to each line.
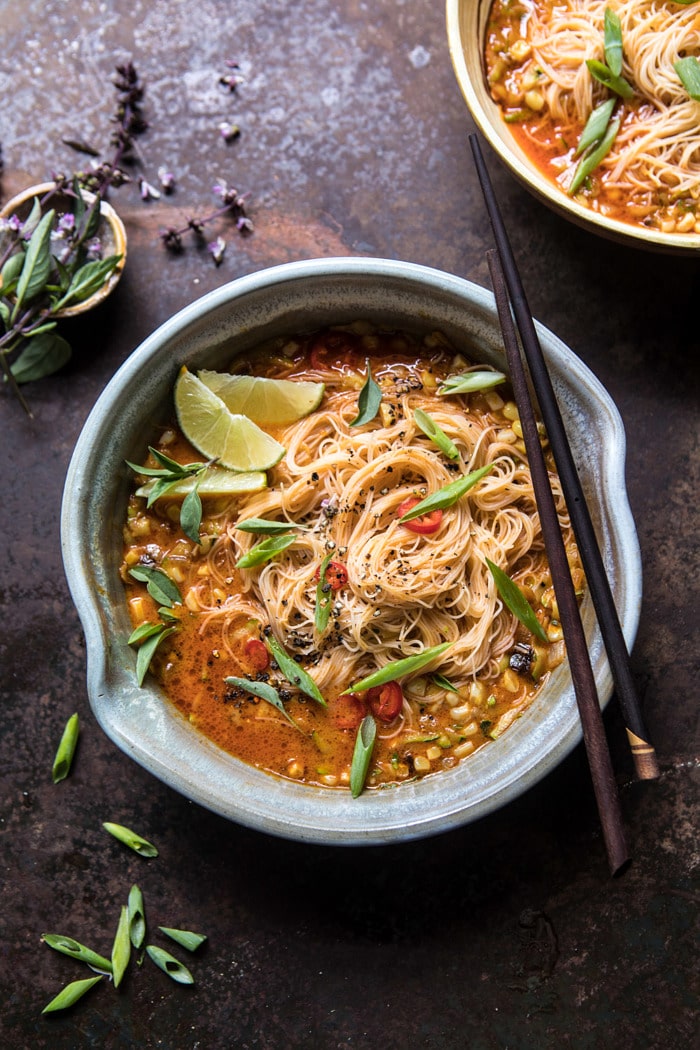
507, 933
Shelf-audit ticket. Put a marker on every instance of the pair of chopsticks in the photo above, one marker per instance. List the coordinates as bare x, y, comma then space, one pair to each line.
511, 303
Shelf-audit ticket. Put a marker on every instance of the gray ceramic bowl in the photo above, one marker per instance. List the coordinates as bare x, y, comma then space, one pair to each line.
286, 300
466, 31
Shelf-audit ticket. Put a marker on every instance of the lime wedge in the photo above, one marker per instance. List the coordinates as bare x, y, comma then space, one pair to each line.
215, 482
268, 401
232, 439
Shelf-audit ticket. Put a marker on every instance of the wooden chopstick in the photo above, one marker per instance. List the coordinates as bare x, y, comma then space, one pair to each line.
594, 738
643, 753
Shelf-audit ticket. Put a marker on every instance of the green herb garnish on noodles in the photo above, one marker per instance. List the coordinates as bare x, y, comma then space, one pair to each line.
398, 669
516, 601
362, 755
368, 402
447, 495
293, 672
437, 435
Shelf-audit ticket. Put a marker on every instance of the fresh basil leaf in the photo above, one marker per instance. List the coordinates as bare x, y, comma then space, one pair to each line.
172, 466
399, 669
591, 160
605, 76
87, 280
368, 402
169, 964
444, 683
66, 750
142, 632
129, 838
596, 126
137, 917
37, 262
158, 584
121, 948
147, 651
436, 434
612, 41
265, 692
265, 551
73, 948
185, 938
70, 994
324, 597
688, 69
293, 672
515, 600
447, 495
191, 513
42, 356
362, 754
264, 527
11, 271
469, 382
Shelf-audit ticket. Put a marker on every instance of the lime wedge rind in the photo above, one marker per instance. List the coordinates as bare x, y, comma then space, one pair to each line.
215, 482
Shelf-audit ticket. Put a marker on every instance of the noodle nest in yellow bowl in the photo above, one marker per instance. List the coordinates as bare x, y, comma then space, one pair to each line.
524, 73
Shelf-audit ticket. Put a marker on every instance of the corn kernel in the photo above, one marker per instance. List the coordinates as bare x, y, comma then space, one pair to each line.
510, 681
421, 764
520, 50
510, 410
463, 749
433, 753
534, 100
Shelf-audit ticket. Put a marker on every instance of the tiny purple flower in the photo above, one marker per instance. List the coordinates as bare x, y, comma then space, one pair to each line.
148, 192
229, 132
93, 249
217, 249
66, 224
244, 224
167, 180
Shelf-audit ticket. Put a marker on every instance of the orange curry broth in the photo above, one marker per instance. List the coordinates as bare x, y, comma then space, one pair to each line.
192, 663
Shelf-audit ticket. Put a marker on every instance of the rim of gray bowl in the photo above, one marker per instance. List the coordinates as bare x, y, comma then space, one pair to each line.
293, 297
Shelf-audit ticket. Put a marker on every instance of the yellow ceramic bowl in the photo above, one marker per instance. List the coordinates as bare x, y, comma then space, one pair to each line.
466, 30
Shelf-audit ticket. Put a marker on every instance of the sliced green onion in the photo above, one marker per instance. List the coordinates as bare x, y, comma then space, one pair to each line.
265, 551
293, 672
266, 528
362, 755
516, 601
591, 161
68, 946
185, 938
368, 402
121, 949
264, 691
137, 917
470, 382
436, 434
447, 495
66, 749
688, 69
129, 838
612, 39
324, 597
70, 994
169, 964
596, 126
606, 76
398, 669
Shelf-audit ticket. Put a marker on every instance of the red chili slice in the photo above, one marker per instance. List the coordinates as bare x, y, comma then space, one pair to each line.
385, 701
257, 654
336, 575
425, 524
348, 711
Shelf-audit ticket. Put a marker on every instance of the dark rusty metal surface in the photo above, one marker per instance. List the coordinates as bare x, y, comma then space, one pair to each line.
507, 933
